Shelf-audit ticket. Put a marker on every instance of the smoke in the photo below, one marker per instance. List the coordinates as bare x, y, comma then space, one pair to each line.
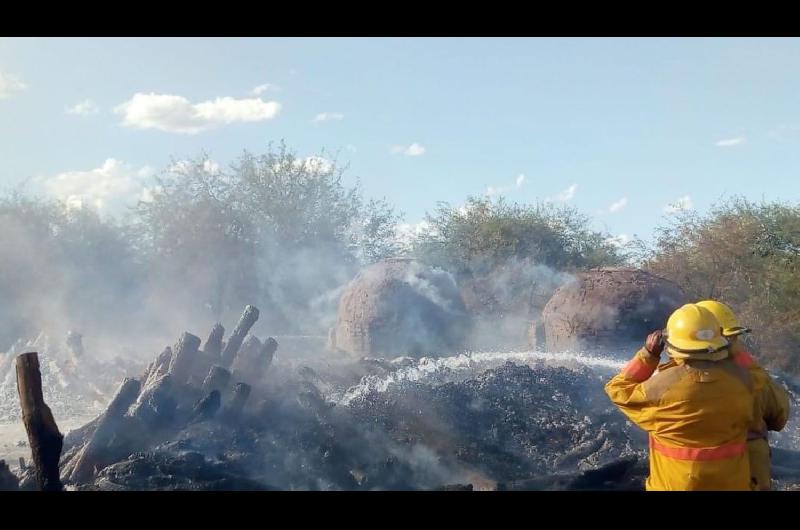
63, 270
275, 231
507, 302
434, 284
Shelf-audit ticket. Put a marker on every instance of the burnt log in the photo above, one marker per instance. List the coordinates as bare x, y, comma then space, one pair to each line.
206, 407
217, 379
44, 438
213, 345
246, 364
310, 397
241, 330
268, 351
155, 405
195, 381
78, 437
241, 392
184, 355
94, 454
159, 367
207, 357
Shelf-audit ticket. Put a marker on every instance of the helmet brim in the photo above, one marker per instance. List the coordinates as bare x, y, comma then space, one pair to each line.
733, 332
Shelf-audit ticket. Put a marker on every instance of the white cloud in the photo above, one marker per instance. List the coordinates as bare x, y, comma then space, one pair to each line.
110, 187
179, 167
619, 240
10, 84
315, 163
327, 116
564, 196
730, 142
684, 203
178, 115
618, 205
84, 108
518, 182
260, 89
183, 166
148, 193
210, 166
414, 149
406, 233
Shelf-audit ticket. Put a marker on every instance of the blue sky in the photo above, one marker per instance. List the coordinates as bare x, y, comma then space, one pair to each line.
619, 128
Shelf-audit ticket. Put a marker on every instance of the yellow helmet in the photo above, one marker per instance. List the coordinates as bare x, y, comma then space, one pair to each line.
693, 332
726, 318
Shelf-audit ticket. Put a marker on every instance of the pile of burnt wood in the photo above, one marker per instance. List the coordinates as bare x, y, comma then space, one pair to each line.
184, 385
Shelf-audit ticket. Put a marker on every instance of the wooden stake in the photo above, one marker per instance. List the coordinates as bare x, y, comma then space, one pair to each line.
44, 438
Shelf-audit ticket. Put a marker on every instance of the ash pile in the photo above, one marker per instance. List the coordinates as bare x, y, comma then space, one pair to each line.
514, 427
75, 383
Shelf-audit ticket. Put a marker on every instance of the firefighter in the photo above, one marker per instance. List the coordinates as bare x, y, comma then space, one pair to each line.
771, 404
696, 409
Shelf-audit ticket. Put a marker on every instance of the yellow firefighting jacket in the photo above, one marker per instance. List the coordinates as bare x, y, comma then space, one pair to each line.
770, 413
697, 415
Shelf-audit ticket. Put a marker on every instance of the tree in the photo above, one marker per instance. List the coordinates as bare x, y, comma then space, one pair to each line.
745, 254
273, 229
485, 233
199, 243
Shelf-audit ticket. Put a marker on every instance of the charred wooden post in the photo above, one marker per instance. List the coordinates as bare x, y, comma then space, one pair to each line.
206, 407
213, 346
251, 347
246, 322
241, 391
184, 355
91, 458
268, 351
44, 438
155, 404
217, 379
159, 367
22, 462
78, 438
309, 396
208, 356
245, 364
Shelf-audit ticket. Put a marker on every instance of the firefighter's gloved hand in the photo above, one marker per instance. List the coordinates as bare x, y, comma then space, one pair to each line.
654, 343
